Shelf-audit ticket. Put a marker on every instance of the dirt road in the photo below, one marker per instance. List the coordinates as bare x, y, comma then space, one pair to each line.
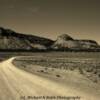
16, 84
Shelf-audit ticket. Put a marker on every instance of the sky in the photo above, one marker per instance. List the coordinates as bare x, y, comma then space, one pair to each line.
50, 18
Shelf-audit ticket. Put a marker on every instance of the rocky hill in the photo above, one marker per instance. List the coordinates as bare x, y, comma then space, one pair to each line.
65, 42
10, 40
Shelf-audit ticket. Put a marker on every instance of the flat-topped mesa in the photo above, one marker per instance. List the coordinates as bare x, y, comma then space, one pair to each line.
10, 40
89, 41
88, 44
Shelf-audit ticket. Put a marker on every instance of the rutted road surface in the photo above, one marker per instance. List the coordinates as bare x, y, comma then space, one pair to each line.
15, 83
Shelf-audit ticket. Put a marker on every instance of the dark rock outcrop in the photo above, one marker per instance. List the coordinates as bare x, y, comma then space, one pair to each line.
10, 40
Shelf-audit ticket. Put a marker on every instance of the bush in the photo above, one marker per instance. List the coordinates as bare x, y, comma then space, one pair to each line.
58, 76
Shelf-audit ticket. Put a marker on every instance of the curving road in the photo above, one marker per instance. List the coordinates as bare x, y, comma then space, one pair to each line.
16, 83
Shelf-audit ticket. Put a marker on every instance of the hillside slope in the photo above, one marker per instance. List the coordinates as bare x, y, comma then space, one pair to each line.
17, 41
65, 42
10, 40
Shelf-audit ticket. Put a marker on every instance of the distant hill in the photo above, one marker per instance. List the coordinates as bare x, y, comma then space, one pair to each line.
11, 40
66, 42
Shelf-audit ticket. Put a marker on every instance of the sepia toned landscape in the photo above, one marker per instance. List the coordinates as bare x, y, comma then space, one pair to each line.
74, 75
49, 49
36, 68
